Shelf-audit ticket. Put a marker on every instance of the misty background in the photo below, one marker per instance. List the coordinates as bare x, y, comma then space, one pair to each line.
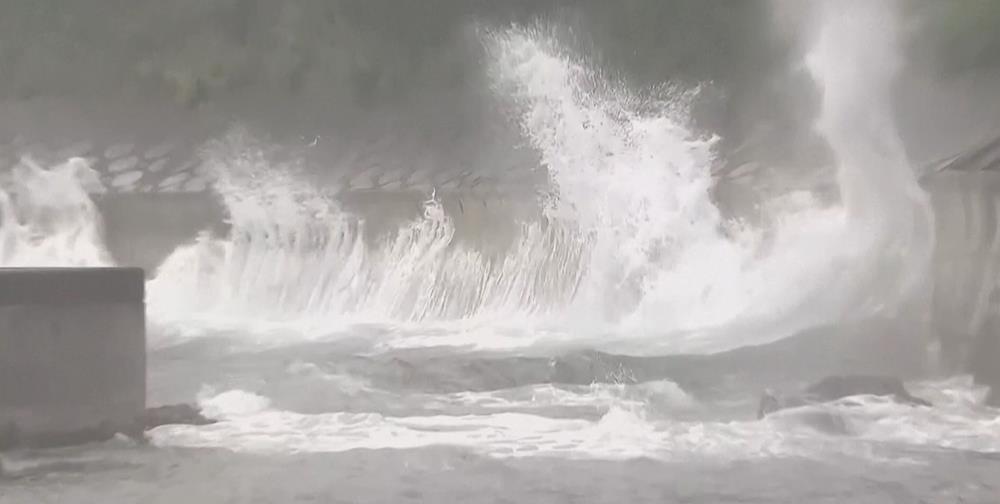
410, 73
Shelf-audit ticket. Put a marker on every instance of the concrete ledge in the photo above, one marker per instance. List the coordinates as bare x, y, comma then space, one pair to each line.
73, 286
142, 229
72, 354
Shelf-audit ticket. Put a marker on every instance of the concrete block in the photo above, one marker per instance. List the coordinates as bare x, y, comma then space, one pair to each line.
142, 229
72, 354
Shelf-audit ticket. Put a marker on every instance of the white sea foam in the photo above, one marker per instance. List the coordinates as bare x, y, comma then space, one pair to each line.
232, 404
624, 430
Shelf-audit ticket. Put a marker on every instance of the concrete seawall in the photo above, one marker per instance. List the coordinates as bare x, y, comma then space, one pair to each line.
142, 229
72, 354
965, 191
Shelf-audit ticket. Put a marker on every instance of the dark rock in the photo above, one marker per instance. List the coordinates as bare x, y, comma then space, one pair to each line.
833, 388
770, 402
984, 362
176, 414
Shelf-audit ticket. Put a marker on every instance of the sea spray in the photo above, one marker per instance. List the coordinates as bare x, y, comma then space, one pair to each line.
854, 61
630, 254
295, 257
48, 216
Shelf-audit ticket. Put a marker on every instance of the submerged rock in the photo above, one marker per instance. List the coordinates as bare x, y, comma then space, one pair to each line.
176, 414
833, 388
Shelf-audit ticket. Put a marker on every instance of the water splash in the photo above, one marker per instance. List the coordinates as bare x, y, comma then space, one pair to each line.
629, 199
294, 256
855, 60
630, 251
666, 273
635, 183
48, 217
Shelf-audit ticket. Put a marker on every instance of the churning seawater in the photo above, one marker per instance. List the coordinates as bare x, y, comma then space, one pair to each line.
473, 351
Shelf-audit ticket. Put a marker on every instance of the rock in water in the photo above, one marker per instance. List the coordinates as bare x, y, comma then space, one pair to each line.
833, 388
176, 414
770, 402
985, 362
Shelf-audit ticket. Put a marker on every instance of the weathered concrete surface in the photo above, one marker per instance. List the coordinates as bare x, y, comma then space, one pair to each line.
965, 191
72, 354
142, 229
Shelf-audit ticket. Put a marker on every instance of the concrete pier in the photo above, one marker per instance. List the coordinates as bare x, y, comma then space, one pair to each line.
72, 354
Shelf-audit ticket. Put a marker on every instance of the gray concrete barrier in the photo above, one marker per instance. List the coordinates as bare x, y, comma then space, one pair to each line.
142, 229
965, 191
72, 354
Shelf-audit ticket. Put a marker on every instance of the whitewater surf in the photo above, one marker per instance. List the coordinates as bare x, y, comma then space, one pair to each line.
562, 305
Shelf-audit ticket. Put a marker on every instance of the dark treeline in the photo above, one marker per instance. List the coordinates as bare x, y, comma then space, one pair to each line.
351, 58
